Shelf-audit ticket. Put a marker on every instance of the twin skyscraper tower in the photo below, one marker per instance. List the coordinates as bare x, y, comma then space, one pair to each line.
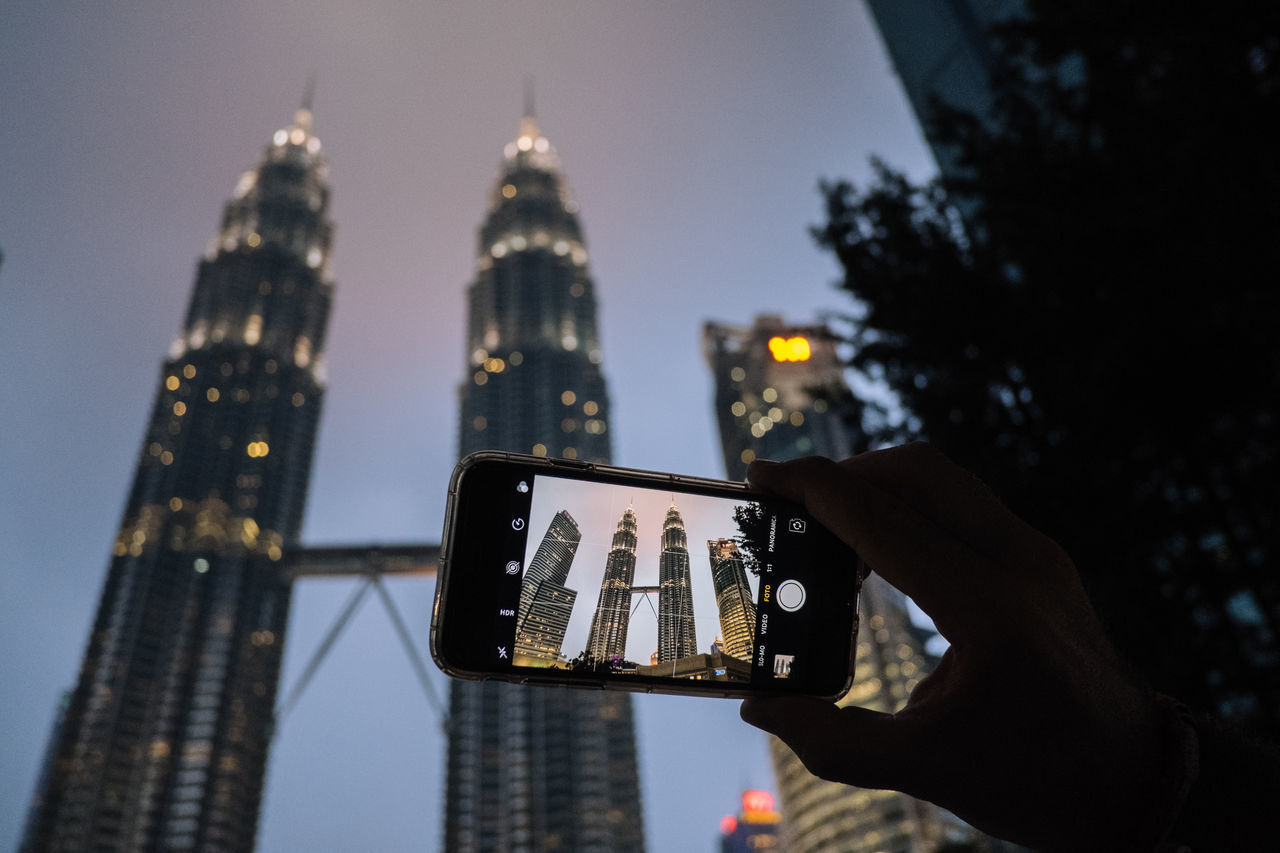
537, 768
163, 743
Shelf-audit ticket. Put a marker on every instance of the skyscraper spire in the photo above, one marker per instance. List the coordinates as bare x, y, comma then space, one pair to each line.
528, 98
302, 118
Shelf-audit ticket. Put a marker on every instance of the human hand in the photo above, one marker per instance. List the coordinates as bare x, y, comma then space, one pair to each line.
1029, 729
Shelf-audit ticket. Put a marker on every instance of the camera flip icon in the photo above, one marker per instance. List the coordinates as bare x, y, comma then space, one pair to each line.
798, 525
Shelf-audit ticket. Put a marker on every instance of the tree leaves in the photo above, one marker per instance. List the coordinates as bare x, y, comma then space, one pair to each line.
1096, 335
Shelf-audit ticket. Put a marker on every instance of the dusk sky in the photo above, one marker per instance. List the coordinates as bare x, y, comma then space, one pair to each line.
692, 135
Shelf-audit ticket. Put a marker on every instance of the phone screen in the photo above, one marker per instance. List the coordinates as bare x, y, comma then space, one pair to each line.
604, 579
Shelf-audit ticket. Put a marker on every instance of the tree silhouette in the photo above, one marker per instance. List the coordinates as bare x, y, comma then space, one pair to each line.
753, 535
1096, 336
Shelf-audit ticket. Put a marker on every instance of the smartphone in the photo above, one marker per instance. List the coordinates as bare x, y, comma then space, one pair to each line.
556, 571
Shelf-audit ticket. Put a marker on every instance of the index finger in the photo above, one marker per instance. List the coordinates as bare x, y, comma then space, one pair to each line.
953, 498
915, 554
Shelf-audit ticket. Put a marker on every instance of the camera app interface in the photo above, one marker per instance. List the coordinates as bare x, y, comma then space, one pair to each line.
644, 582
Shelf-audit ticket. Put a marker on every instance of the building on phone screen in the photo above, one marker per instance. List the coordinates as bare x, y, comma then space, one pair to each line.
163, 743
677, 637
534, 768
733, 598
607, 641
780, 394
545, 602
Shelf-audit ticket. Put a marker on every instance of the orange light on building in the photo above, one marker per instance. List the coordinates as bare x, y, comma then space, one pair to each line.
757, 807
757, 801
790, 349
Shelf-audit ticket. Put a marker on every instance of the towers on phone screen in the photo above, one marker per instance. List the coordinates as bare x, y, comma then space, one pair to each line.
636, 581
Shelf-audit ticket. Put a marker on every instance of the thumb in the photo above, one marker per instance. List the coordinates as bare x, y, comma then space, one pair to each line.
856, 746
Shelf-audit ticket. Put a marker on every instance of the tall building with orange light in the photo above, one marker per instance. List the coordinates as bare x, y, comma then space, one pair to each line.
780, 394
534, 768
753, 829
779, 391
164, 741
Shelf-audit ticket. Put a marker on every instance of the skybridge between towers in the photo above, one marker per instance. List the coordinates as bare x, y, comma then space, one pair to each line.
366, 560
369, 563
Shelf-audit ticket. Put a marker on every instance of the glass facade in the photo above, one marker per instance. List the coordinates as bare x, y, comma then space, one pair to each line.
943, 50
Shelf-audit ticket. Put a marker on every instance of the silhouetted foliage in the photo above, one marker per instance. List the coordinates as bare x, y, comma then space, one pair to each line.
1097, 336
753, 535
585, 663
